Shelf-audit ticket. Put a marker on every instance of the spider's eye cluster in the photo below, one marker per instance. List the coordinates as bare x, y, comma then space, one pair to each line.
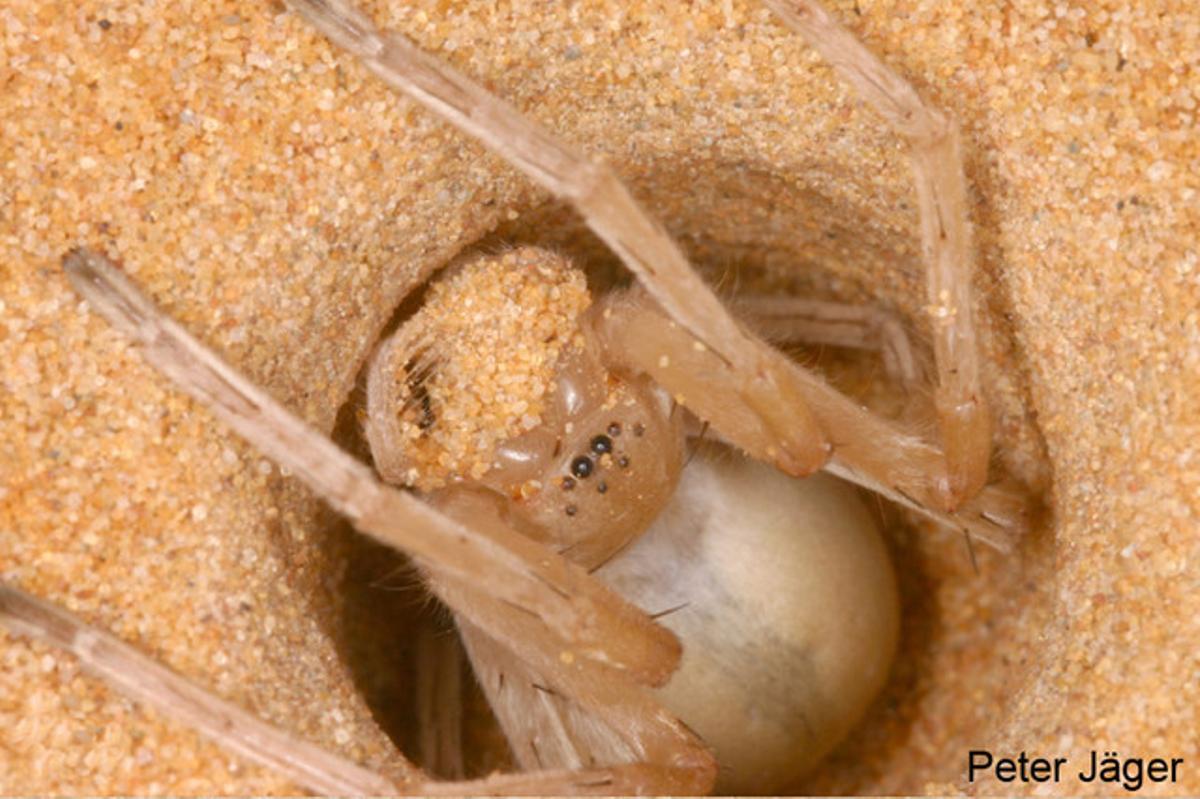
599, 457
602, 467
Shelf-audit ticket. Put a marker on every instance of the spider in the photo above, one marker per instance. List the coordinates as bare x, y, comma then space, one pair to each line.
546, 610
589, 460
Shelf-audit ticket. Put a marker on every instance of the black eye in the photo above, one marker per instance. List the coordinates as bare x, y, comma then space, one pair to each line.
582, 467
568, 483
602, 487
623, 461
614, 429
601, 445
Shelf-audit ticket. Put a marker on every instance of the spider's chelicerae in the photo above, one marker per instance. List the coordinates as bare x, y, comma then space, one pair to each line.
545, 451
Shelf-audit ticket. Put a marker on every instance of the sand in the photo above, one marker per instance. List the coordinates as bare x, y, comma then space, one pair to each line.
280, 202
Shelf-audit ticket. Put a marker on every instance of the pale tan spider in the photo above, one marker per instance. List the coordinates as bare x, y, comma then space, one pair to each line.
563, 625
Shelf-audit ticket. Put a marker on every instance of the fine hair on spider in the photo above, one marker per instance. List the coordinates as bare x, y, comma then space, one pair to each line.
543, 432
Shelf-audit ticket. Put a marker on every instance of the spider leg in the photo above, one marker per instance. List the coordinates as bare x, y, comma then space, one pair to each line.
588, 728
144, 679
578, 612
578, 722
837, 324
763, 381
439, 702
933, 139
870, 451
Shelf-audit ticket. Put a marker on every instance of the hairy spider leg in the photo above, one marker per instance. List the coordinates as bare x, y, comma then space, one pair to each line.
870, 451
936, 148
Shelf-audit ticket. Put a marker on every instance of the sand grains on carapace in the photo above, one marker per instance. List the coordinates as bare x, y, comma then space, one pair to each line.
480, 359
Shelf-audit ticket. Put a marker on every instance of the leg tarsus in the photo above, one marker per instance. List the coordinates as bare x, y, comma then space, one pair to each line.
967, 440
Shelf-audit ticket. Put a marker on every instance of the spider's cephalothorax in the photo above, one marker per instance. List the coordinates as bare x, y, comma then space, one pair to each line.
583, 457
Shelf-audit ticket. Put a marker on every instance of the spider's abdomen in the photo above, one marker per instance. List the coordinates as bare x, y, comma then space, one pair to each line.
783, 596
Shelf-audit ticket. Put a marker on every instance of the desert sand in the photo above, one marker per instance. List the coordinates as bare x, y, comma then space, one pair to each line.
280, 202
